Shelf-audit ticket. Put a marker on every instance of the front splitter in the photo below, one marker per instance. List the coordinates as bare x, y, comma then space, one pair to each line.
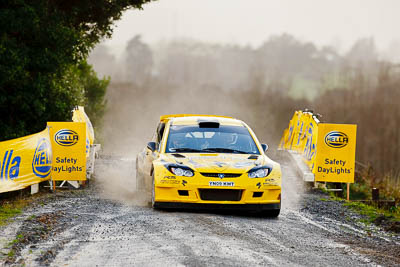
214, 206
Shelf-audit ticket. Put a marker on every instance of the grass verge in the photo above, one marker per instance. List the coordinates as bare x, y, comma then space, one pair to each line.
12, 203
387, 219
10, 209
373, 213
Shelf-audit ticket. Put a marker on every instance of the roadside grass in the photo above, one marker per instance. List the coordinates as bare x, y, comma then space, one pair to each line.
361, 196
13, 203
374, 214
389, 219
18, 239
12, 245
389, 190
11, 209
366, 179
330, 195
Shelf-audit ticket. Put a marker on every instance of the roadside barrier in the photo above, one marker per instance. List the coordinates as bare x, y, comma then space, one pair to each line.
328, 150
92, 149
61, 152
68, 141
79, 115
25, 161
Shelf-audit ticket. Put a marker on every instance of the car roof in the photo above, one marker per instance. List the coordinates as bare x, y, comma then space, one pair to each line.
166, 118
194, 120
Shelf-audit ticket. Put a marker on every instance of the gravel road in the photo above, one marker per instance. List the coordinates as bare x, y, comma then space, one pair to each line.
105, 225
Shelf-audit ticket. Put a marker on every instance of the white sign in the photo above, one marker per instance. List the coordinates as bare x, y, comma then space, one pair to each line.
221, 183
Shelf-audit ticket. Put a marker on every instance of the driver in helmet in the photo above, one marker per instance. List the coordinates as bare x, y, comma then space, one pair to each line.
179, 141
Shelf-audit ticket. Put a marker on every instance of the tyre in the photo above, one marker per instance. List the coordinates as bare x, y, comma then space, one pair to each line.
273, 213
270, 213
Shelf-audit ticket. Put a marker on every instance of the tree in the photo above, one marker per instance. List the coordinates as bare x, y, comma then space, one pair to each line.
363, 52
95, 90
41, 42
139, 60
104, 63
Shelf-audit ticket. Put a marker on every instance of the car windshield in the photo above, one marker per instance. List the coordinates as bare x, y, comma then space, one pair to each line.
225, 139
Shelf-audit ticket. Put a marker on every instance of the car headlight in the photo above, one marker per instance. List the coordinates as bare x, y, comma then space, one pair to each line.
180, 170
259, 172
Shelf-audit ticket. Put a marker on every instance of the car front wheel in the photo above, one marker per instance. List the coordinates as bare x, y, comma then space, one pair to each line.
273, 213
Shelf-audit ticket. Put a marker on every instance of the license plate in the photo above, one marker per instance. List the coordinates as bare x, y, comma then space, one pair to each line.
221, 183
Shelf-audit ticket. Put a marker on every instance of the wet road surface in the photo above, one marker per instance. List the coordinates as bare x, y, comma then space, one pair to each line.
92, 230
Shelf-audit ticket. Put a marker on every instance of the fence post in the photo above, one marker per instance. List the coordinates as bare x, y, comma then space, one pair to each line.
375, 194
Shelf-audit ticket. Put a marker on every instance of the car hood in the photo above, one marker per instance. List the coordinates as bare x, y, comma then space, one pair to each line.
218, 162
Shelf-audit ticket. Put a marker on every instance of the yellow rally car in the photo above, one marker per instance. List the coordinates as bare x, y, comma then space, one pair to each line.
203, 161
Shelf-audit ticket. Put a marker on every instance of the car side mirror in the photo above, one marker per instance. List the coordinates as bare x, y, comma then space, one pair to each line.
265, 147
153, 146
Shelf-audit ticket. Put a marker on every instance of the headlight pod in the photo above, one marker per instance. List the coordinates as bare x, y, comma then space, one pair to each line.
259, 172
180, 170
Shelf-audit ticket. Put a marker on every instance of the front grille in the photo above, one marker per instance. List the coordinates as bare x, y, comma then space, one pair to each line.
221, 194
226, 175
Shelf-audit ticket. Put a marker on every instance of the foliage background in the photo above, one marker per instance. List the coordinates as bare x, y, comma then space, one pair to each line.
43, 72
263, 86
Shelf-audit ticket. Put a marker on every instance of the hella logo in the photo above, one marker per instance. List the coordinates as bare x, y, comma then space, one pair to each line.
336, 139
66, 137
41, 163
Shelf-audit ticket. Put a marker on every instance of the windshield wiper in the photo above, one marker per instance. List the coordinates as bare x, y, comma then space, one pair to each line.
185, 149
224, 150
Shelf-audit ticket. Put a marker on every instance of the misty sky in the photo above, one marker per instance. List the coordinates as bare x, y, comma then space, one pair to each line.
333, 22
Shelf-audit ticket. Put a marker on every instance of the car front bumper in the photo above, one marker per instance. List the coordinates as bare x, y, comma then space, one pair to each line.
211, 206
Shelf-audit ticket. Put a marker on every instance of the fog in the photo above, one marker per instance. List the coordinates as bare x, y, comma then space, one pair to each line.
257, 62
262, 86
325, 23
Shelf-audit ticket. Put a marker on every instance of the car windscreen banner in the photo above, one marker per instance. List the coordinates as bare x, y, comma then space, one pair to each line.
68, 140
79, 115
25, 161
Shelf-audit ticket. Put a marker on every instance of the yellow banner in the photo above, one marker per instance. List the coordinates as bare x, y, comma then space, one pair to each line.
298, 125
68, 140
335, 161
25, 161
79, 115
320, 145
